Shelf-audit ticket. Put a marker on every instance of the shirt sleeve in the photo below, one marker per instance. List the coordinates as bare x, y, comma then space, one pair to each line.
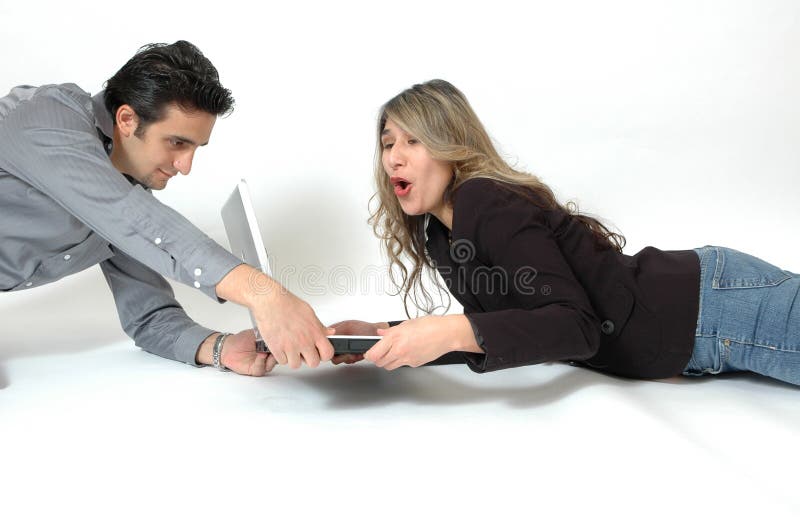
546, 314
148, 311
51, 143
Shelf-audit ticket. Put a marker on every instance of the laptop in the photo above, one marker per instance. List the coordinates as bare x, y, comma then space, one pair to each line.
239, 218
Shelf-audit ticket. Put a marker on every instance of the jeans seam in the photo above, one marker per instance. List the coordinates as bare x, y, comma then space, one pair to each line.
756, 285
703, 268
766, 346
718, 269
724, 352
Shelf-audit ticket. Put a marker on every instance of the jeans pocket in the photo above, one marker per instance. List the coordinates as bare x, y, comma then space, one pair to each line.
735, 269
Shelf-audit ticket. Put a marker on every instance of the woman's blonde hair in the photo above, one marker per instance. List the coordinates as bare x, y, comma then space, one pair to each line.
439, 116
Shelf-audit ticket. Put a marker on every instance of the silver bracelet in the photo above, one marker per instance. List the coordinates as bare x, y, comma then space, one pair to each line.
216, 353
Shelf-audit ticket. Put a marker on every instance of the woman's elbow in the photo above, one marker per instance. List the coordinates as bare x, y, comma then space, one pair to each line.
590, 334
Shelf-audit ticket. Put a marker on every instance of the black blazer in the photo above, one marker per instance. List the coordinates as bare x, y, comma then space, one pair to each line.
537, 287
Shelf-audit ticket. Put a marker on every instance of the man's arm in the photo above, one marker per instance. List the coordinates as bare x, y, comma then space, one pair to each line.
51, 143
151, 316
149, 312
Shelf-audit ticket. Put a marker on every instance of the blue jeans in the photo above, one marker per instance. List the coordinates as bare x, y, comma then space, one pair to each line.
749, 317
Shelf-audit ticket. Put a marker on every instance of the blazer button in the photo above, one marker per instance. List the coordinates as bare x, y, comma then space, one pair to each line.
607, 327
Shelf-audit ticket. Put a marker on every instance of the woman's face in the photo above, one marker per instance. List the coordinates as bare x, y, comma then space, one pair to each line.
418, 179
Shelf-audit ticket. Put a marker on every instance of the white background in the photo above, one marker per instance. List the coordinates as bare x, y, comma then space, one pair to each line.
675, 121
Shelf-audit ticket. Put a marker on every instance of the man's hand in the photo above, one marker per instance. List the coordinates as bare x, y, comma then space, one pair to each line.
238, 354
355, 328
287, 324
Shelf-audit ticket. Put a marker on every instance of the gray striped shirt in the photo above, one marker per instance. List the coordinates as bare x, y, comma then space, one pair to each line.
64, 208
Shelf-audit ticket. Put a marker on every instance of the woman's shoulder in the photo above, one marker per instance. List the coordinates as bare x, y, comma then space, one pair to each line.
480, 187
482, 200
480, 193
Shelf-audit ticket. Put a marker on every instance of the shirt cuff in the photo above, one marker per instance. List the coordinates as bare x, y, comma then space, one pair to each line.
476, 361
478, 337
189, 342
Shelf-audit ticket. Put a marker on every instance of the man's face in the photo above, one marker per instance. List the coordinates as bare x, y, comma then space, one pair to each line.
164, 148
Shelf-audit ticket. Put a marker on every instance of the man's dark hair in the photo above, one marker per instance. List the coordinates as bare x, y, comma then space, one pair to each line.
161, 74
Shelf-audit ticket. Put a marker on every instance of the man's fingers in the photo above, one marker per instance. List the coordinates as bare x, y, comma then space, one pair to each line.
311, 358
280, 357
294, 360
325, 349
259, 367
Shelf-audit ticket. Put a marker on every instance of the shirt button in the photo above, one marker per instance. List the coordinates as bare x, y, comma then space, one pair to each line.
157, 241
67, 257
198, 272
197, 284
29, 283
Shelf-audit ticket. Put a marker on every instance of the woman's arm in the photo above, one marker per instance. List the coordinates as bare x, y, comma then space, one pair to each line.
545, 313
422, 340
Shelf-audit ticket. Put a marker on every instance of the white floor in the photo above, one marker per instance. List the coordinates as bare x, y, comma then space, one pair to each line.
97, 435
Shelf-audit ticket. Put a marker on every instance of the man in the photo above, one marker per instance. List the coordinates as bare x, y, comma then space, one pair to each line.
75, 179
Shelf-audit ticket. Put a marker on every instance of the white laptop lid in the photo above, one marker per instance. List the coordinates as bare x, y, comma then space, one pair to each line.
241, 225
244, 237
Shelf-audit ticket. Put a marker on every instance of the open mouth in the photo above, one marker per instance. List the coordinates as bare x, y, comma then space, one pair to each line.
401, 186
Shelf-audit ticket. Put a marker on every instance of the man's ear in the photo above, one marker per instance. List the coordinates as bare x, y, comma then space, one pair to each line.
127, 120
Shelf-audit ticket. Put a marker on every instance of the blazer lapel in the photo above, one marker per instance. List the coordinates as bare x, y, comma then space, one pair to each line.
455, 268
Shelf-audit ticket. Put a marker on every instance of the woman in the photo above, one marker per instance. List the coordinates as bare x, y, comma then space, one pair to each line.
540, 282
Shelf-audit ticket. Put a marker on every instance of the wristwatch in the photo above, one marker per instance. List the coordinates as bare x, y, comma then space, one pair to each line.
216, 353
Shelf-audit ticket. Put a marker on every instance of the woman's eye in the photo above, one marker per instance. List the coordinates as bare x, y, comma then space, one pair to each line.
388, 146
176, 142
412, 141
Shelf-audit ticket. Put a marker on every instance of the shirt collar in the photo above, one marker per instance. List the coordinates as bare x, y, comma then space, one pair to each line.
102, 118
105, 125
437, 245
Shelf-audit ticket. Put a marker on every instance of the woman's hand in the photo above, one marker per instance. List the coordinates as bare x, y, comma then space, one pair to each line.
355, 328
422, 340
